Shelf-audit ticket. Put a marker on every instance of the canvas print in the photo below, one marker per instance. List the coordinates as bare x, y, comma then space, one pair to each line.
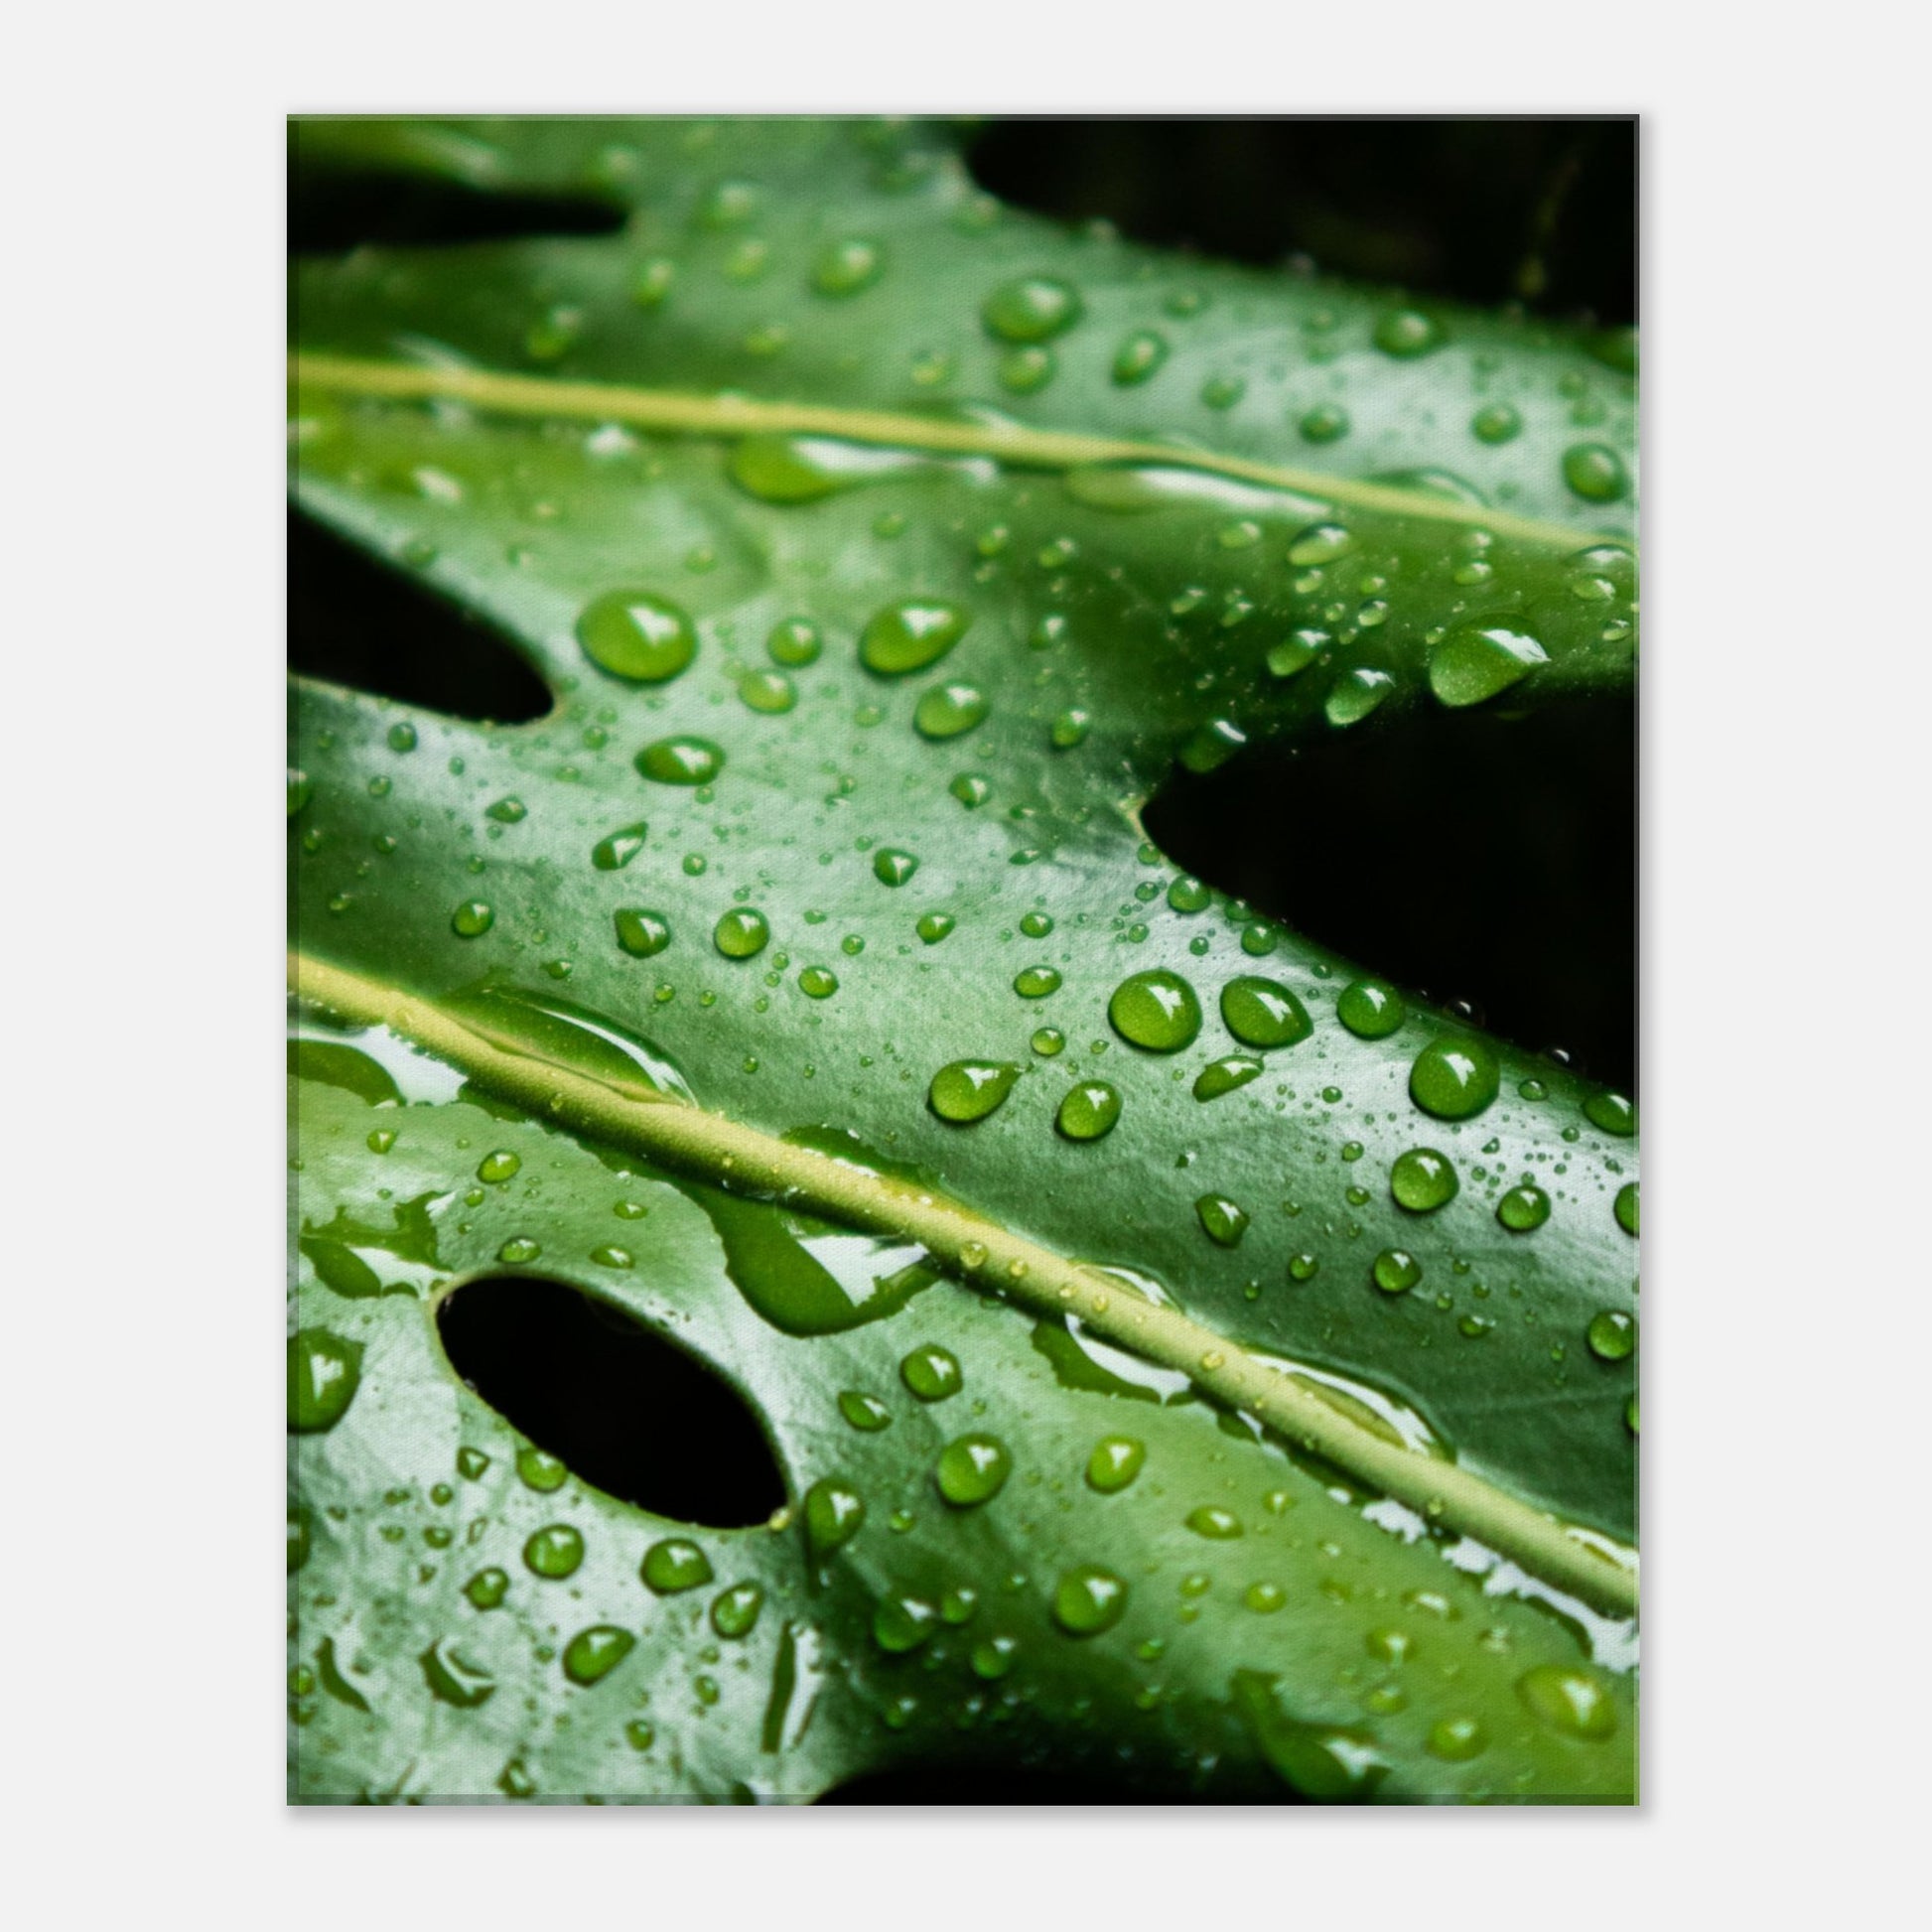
962, 1051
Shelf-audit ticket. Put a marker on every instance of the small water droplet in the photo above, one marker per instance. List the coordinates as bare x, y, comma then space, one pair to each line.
1454, 1078
1523, 1209
675, 1564
681, 761
1033, 309
1156, 1010
973, 1469
595, 1653
1395, 1271
1611, 1335
932, 1373
1595, 471
555, 1551
471, 919
1223, 1220
908, 637
948, 710
1090, 1110
1404, 333
742, 933
636, 634
1263, 1013
1137, 358
1115, 1463
1089, 1599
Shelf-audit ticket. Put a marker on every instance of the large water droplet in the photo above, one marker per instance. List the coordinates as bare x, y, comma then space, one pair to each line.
636, 634
1263, 1013
1477, 661
1454, 1078
932, 1373
1595, 471
847, 267
1422, 1179
969, 1091
640, 933
1225, 1075
675, 1564
948, 710
1405, 333
908, 637
1089, 1599
1224, 1221
554, 1550
973, 1469
681, 761
1089, 1111
1370, 1009
1137, 357
615, 852
1115, 1463
1611, 1335
1033, 309
1156, 1010
1357, 694
596, 1652
325, 1371
742, 933
835, 1512
1523, 1210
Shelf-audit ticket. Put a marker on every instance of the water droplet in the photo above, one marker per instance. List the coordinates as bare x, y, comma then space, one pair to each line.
908, 637
1089, 1111
1224, 1221
1026, 370
902, 1623
1036, 982
847, 267
1326, 422
1033, 309
1457, 1740
539, 1471
1614, 1113
498, 1166
1477, 661
735, 1613
770, 693
1496, 423
932, 1373
834, 1514
1265, 1598
1048, 1041
1225, 1075
471, 919
681, 761
452, 1677
1089, 1599
636, 634
1454, 1078
948, 710
595, 1652
1571, 1702
969, 1091
1395, 1271
1370, 1009
1222, 391
864, 1412
1263, 1013
1595, 471
1523, 1209
1355, 694
742, 933
1421, 1180
325, 1371
613, 853
1611, 1335
1156, 1010
1137, 358
488, 1589
675, 1564
1220, 1525
1303, 1267
818, 982
1070, 727
1296, 652
1115, 1463
973, 1469
993, 1658
640, 933
933, 926
554, 1550
795, 643
1407, 331
1626, 1208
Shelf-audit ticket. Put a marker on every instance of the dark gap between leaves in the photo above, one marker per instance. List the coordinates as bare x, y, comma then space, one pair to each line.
1488, 209
625, 1410
331, 213
1477, 859
971, 1784
358, 621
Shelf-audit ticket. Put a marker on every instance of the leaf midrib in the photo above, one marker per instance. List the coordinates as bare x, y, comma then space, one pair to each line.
682, 413
725, 1152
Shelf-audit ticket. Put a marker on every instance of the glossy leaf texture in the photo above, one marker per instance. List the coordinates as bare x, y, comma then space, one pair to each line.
872, 554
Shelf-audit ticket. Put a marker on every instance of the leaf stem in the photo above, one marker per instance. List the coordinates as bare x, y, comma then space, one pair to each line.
729, 415
724, 1151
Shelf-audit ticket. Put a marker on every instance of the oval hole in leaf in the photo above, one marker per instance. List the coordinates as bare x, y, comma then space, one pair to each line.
331, 214
625, 1409
1483, 858
357, 621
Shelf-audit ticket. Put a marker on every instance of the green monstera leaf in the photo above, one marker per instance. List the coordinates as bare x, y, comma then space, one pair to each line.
1087, 1329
